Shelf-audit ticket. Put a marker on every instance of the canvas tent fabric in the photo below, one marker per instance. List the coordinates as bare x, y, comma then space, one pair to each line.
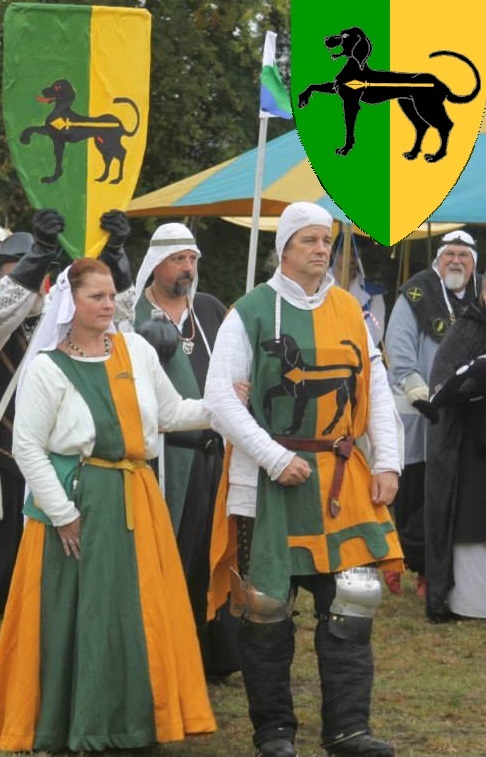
269, 223
226, 189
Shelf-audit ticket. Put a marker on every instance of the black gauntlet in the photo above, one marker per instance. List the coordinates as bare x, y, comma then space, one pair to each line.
44, 252
113, 254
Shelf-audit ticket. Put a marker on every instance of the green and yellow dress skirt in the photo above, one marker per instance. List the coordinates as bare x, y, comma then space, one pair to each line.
102, 652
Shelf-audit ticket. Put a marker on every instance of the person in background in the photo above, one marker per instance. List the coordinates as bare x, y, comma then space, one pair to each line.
166, 287
369, 295
428, 304
455, 496
299, 506
98, 647
27, 261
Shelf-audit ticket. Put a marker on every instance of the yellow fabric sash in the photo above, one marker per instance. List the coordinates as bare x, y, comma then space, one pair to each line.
128, 467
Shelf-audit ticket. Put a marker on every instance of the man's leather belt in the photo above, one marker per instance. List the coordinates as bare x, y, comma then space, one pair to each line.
210, 443
342, 448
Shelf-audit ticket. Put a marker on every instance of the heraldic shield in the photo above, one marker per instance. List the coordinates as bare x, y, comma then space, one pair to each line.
388, 99
75, 101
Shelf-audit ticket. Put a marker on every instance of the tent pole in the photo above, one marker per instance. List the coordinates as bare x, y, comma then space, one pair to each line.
406, 260
257, 200
346, 255
429, 245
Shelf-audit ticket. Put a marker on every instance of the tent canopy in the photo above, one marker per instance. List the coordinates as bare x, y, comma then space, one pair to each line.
227, 189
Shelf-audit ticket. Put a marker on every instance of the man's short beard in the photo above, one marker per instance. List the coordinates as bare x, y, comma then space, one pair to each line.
182, 287
455, 281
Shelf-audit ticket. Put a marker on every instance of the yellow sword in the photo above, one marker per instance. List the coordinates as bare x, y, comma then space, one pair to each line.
357, 84
65, 123
296, 375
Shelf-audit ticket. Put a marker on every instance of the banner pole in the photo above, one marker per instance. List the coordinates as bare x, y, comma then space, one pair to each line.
257, 199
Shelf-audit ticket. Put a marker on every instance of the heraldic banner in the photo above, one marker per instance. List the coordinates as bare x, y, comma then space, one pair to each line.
388, 99
75, 100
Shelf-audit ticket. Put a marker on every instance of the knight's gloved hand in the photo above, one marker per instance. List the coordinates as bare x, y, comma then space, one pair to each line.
417, 393
44, 254
162, 334
116, 222
46, 225
113, 254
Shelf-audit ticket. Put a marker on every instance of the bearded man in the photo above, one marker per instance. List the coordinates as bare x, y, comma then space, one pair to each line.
428, 304
167, 303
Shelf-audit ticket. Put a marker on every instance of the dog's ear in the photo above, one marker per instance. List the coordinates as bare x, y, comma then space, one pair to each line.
361, 50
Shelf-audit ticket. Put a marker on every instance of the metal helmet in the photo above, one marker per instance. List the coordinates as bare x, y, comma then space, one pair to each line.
14, 246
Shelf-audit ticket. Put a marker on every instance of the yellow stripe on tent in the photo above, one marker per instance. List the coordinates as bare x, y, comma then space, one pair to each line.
299, 182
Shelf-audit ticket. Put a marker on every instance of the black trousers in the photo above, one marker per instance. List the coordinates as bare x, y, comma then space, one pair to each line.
345, 671
409, 516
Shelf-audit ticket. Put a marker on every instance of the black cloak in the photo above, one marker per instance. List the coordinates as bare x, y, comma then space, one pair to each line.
456, 453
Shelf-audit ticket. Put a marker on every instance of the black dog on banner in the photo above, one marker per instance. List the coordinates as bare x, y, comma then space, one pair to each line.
421, 96
304, 382
63, 126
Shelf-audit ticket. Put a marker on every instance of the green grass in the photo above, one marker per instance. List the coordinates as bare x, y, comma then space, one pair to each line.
429, 696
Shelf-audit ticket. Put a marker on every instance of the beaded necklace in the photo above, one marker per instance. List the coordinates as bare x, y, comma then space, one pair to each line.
75, 348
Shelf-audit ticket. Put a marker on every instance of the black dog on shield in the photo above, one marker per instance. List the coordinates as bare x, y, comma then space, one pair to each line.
421, 96
63, 126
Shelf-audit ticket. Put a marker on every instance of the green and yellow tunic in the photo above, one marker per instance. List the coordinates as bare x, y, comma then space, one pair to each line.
311, 383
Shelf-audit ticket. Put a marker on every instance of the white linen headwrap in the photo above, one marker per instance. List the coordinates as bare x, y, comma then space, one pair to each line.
166, 240
55, 324
295, 217
458, 237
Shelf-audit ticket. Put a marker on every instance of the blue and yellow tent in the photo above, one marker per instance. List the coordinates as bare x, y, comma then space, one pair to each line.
226, 190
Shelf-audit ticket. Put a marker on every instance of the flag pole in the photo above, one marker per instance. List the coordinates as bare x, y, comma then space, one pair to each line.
274, 101
257, 201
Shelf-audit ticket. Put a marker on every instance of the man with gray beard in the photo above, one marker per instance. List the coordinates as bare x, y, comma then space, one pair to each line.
428, 304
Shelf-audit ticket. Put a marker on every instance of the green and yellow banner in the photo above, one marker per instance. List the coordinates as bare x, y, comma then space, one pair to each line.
388, 99
75, 101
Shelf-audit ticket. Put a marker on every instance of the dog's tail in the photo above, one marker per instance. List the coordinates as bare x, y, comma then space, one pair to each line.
461, 98
137, 112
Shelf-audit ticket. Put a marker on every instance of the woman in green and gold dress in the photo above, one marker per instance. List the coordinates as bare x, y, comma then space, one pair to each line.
98, 648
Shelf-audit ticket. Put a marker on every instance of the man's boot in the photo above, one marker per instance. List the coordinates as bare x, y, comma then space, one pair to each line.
277, 748
346, 672
360, 745
266, 653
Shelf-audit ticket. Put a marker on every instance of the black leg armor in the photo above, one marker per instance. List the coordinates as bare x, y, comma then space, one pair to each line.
266, 654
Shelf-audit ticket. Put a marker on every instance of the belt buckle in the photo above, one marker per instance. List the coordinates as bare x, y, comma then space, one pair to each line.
335, 446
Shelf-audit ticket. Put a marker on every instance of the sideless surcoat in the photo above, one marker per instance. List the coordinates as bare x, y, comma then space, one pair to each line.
310, 381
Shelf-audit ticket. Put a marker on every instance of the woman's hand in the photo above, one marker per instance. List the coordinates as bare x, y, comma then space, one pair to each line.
242, 389
70, 536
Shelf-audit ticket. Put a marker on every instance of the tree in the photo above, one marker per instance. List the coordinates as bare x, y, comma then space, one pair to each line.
204, 105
